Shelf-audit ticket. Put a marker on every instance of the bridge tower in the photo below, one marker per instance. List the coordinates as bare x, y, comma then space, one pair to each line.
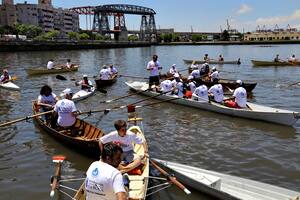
120, 30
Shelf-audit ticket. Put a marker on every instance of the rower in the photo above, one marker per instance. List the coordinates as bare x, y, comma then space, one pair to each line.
277, 59
173, 70
214, 74
68, 64
206, 58
191, 84
125, 139
221, 59
204, 71
103, 180
200, 93
105, 73
216, 92
166, 86
113, 70
5, 77
50, 64
195, 74
239, 99
292, 58
179, 87
85, 83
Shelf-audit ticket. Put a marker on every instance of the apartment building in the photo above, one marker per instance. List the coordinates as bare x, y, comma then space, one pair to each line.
276, 34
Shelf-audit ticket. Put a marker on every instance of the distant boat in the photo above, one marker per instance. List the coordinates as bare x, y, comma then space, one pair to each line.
83, 94
272, 63
237, 62
103, 83
226, 187
39, 71
9, 86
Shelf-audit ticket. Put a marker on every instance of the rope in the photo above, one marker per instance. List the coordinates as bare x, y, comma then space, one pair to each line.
158, 190
69, 188
69, 180
65, 193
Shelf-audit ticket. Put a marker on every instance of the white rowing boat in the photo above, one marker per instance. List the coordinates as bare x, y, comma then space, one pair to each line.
9, 86
223, 186
254, 111
83, 94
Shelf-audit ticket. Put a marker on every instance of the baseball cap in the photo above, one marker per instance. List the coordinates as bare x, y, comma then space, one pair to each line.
205, 64
213, 68
173, 65
239, 82
85, 76
67, 91
190, 77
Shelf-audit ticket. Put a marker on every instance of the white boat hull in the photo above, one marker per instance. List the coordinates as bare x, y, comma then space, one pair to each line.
83, 94
223, 186
257, 112
9, 86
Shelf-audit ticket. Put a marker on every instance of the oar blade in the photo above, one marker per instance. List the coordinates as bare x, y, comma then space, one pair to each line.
58, 159
60, 77
102, 90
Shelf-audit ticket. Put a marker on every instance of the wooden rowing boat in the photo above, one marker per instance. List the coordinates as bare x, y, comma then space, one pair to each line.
222, 186
39, 71
9, 86
272, 63
237, 62
138, 184
103, 83
83, 94
85, 141
254, 111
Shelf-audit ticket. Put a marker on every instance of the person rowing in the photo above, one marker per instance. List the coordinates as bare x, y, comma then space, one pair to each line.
214, 74
125, 139
277, 59
200, 93
50, 64
204, 71
166, 86
85, 83
239, 97
113, 70
103, 179
216, 92
220, 59
5, 77
206, 58
191, 84
292, 58
173, 70
105, 73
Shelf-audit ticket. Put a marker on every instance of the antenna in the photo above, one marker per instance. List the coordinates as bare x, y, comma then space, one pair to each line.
228, 26
221, 29
192, 29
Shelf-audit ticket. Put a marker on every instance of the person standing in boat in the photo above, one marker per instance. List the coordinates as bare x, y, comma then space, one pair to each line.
5, 77
103, 179
113, 70
154, 66
66, 110
50, 64
216, 92
239, 99
105, 73
85, 83
277, 59
125, 139
214, 74
220, 59
200, 93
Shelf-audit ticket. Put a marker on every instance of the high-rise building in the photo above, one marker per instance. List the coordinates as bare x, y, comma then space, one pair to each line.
45, 2
7, 2
8, 14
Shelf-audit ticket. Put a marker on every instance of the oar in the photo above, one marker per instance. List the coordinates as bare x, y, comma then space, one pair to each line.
293, 84
149, 98
129, 76
13, 78
54, 180
24, 118
122, 97
171, 178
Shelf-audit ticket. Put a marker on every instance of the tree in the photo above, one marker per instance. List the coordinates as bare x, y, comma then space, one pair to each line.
84, 36
196, 37
51, 34
73, 36
99, 37
225, 36
33, 31
133, 38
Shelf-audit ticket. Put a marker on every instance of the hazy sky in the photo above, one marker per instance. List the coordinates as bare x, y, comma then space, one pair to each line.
206, 15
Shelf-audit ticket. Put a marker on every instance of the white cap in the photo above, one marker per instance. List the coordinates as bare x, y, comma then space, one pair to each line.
239, 82
190, 78
173, 65
213, 68
205, 64
85, 76
67, 91
176, 75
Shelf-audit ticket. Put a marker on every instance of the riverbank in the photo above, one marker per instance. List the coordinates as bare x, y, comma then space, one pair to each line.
12, 46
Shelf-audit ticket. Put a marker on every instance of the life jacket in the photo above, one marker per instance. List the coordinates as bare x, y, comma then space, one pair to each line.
83, 87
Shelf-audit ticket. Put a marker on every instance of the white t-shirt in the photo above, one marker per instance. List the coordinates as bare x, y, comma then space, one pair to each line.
196, 73
173, 70
113, 70
47, 99
50, 65
166, 85
192, 86
105, 74
153, 67
68, 64
214, 75
124, 142
179, 87
292, 59
82, 81
194, 67
217, 91
103, 181
240, 95
201, 93
64, 108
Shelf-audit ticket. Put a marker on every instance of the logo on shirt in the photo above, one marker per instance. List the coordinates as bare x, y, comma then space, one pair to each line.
95, 172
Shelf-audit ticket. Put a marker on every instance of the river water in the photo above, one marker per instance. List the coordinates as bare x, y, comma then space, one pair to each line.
251, 149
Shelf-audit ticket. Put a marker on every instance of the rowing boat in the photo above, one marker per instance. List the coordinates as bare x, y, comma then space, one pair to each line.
138, 183
9, 86
254, 111
83, 94
85, 141
272, 63
39, 71
227, 187
237, 62
103, 83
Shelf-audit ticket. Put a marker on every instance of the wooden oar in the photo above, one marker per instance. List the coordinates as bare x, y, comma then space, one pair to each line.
24, 118
149, 98
13, 78
54, 180
171, 178
293, 84
129, 76
122, 97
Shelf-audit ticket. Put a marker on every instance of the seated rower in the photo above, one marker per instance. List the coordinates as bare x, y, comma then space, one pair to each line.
113, 70
277, 59
221, 59
214, 74
292, 58
85, 83
125, 139
204, 71
195, 74
191, 84
206, 58
216, 92
5, 77
50, 64
166, 86
179, 87
173, 70
239, 99
69, 64
201, 93
105, 73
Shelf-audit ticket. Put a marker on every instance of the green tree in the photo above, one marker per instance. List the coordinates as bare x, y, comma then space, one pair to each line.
225, 36
133, 38
99, 36
33, 31
196, 37
175, 37
51, 34
84, 36
73, 36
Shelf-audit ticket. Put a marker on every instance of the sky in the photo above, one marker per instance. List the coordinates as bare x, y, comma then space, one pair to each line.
204, 15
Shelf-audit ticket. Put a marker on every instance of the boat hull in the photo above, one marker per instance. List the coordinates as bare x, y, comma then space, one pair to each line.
36, 71
231, 187
83, 94
10, 86
86, 143
257, 112
103, 83
271, 63
212, 62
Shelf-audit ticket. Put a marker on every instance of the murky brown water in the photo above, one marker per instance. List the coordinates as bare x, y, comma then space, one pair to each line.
250, 149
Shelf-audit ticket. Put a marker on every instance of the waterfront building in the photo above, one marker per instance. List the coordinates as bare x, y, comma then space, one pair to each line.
42, 14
